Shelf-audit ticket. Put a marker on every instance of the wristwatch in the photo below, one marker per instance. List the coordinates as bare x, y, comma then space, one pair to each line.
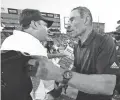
67, 75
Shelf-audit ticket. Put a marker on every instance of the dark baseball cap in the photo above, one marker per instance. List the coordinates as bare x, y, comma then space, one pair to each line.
28, 15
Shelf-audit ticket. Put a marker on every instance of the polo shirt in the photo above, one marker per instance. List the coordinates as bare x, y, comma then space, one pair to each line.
94, 56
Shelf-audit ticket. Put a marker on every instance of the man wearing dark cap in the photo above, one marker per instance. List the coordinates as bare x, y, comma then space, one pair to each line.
34, 31
30, 20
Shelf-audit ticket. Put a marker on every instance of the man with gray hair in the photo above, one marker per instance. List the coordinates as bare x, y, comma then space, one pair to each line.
94, 53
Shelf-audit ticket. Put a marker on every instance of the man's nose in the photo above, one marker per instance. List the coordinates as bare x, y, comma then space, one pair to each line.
68, 27
69, 24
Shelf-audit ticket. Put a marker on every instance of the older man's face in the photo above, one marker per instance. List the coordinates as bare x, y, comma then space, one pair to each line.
76, 26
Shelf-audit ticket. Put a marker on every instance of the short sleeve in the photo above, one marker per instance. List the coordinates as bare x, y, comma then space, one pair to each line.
107, 55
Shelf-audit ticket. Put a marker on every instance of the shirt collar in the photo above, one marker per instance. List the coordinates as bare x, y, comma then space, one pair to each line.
88, 40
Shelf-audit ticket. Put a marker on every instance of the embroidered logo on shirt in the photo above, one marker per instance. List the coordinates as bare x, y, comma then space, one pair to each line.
114, 65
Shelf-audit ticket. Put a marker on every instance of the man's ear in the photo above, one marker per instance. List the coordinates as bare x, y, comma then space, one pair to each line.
87, 20
32, 24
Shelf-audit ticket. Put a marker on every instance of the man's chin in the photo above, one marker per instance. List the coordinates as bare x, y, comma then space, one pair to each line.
43, 40
74, 35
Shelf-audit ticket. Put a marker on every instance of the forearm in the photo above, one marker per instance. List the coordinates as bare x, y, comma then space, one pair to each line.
93, 84
50, 56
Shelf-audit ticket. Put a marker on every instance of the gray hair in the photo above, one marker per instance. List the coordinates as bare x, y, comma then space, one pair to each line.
83, 11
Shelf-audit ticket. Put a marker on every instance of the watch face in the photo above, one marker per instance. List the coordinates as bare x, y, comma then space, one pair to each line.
67, 74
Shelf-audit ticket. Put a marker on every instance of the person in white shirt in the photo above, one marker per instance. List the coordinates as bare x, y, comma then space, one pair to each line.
29, 40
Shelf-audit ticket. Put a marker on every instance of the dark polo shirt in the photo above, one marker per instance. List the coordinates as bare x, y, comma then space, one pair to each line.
94, 56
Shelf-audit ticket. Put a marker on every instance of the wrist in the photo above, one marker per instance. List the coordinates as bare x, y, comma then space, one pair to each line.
67, 75
64, 76
59, 78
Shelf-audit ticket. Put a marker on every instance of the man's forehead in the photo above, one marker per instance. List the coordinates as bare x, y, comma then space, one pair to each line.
74, 13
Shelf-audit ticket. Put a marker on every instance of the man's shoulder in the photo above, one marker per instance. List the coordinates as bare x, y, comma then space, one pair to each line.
104, 38
12, 37
104, 42
8, 40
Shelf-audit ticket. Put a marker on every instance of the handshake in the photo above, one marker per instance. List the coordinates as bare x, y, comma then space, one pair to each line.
45, 69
